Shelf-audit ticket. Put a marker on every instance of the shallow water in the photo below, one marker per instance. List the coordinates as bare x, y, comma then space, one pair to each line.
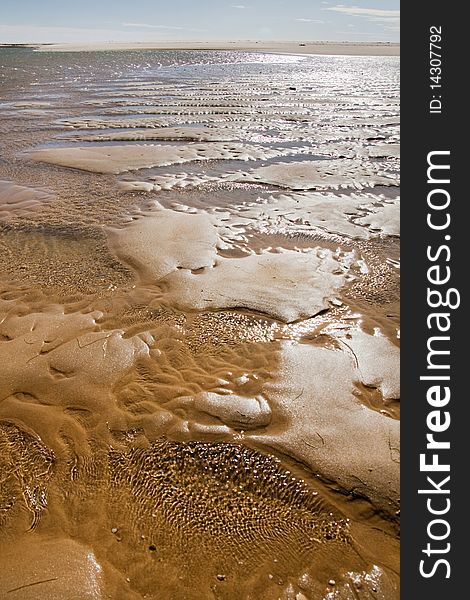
199, 323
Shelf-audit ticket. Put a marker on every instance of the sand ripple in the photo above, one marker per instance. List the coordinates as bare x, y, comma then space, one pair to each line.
194, 517
199, 397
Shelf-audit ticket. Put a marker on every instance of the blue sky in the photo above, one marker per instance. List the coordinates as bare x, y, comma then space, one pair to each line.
218, 20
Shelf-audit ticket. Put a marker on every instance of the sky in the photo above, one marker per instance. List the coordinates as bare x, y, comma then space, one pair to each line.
42, 21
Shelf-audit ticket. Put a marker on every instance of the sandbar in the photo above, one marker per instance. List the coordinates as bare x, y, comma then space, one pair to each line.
329, 48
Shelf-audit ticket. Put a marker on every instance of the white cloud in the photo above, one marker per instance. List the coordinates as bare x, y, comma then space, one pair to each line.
167, 27
372, 14
360, 34
238, 6
146, 26
309, 20
384, 19
37, 34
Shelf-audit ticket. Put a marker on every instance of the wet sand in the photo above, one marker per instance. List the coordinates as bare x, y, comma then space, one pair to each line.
199, 328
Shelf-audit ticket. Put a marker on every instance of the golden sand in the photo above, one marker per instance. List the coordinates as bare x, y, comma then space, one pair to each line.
199, 391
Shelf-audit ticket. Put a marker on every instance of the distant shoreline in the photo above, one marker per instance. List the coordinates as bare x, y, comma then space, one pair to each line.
329, 48
21, 45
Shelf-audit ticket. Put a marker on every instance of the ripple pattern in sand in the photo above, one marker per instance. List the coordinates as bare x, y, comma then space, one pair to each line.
199, 259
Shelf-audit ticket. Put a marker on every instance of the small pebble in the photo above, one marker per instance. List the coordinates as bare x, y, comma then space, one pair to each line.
332, 582
221, 577
114, 530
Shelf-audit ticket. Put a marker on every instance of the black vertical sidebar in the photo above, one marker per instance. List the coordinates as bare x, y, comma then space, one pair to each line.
434, 120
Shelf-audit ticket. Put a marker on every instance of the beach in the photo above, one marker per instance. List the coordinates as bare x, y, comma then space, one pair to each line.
322, 48
199, 321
